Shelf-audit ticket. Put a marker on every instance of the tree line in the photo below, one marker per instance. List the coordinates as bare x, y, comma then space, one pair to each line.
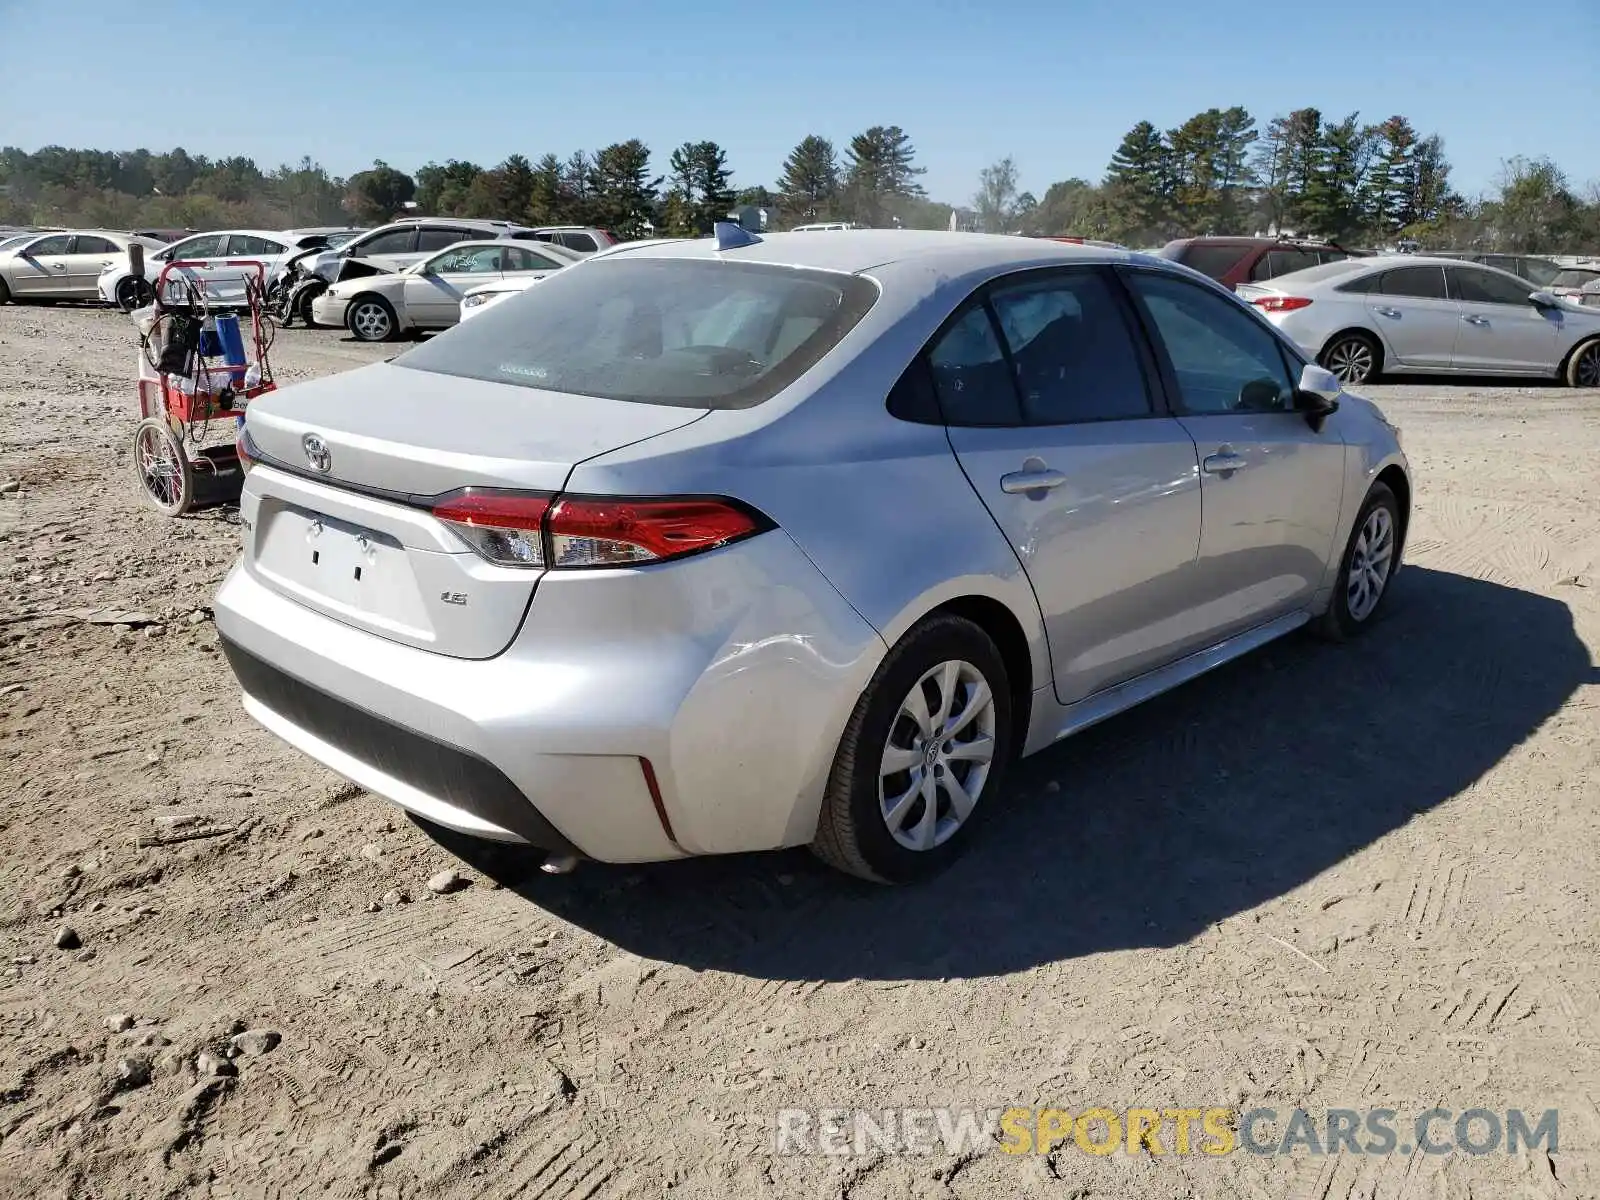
1217, 172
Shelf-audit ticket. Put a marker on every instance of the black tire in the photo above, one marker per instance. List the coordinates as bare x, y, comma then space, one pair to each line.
5, 292
371, 318
162, 469
853, 832
1583, 365
302, 308
1356, 358
1340, 622
133, 293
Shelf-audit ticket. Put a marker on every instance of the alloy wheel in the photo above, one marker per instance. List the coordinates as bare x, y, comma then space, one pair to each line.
938, 756
370, 321
1370, 561
1587, 368
1350, 360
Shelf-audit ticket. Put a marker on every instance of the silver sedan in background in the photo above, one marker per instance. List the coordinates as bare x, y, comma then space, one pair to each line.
1410, 315
710, 546
63, 265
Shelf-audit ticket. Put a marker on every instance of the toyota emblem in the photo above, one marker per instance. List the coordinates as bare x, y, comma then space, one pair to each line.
317, 453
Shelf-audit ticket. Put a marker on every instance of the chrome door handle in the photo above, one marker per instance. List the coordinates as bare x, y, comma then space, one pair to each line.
1031, 481
1471, 320
1224, 462
1387, 312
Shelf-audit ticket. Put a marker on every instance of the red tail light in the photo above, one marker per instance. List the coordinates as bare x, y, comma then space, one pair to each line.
516, 529
242, 446
504, 527
1281, 303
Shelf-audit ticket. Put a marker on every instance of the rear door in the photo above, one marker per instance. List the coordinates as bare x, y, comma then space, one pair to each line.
90, 255
42, 268
203, 252
1413, 312
1271, 486
434, 290
246, 247
1501, 330
1046, 391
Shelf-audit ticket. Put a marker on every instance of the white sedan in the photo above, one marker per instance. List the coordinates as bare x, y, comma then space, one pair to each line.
428, 294
211, 254
477, 299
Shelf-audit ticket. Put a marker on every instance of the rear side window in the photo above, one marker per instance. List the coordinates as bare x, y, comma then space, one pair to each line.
395, 241
519, 258
683, 332
970, 374
1072, 354
578, 241
437, 238
1281, 262
1215, 261
243, 243
87, 244
1419, 283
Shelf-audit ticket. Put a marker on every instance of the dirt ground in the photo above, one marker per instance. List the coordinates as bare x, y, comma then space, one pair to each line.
1323, 877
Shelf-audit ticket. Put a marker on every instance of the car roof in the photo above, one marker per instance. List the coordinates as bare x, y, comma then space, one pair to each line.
858, 250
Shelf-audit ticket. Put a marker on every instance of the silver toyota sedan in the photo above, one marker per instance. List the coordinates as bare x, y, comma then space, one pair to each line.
741, 543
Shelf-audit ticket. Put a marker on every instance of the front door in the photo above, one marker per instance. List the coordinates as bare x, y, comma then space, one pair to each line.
434, 290
41, 269
202, 253
1271, 486
1501, 330
1416, 317
1045, 390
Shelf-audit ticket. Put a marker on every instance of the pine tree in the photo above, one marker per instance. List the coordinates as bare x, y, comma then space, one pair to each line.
809, 185
1139, 185
625, 195
880, 168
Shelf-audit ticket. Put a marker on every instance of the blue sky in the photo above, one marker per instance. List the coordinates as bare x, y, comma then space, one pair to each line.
1055, 84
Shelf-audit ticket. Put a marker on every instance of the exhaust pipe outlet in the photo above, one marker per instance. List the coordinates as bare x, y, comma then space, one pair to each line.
559, 864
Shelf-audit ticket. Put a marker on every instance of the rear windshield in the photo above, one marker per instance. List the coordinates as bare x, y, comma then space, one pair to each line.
692, 333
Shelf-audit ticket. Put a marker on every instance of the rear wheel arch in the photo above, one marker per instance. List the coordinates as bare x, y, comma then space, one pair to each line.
1006, 631
1360, 331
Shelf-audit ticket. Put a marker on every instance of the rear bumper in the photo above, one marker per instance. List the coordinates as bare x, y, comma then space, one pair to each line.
731, 674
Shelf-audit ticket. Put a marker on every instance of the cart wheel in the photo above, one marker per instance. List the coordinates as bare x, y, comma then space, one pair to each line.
162, 468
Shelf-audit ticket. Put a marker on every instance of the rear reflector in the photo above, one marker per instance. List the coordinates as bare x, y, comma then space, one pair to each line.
515, 529
1281, 303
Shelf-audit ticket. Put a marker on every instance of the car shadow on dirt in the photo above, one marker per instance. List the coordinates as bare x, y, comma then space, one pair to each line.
1145, 830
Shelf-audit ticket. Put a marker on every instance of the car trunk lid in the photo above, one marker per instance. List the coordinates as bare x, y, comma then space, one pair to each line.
338, 514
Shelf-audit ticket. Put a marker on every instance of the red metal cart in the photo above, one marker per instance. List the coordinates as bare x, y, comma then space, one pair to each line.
176, 457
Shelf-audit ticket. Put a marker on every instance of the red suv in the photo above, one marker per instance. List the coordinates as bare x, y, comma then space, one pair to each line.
1235, 260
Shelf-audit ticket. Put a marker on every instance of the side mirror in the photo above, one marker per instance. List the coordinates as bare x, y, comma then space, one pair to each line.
1317, 397
1543, 299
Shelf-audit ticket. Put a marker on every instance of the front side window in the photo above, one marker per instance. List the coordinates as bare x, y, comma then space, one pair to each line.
246, 244
393, 241
1072, 354
1417, 283
1485, 287
50, 245
206, 246
693, 334
466, 260
1224, 359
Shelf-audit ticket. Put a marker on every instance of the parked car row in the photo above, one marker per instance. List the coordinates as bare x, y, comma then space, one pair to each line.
50, 265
